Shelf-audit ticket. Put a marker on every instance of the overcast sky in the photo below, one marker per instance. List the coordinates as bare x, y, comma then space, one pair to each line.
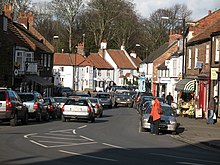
199, 7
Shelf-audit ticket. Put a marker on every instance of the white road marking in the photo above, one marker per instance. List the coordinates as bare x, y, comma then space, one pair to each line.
74, 132
32, 141
88, 156
188, 163
50, 137
114, 146
179, 157
65, 130
86, 138
82, 127
26, 136
59, 134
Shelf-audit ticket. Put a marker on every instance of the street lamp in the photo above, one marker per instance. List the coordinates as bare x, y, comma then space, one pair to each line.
184, 37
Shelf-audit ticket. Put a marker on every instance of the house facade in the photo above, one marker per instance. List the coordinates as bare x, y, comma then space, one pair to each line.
28, 60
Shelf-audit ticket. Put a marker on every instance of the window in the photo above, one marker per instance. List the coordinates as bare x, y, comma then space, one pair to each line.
217, 50
108, 73
196, 56
207, 54
18, 60
45, 60
190, 59
29, 56
87, 69
61, 69
174, 67
49, 58
42, 59
99, 72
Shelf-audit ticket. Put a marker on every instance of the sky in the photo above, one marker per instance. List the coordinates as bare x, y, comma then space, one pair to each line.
199, 8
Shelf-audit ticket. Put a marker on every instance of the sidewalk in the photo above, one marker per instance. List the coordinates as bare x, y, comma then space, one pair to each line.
197, 132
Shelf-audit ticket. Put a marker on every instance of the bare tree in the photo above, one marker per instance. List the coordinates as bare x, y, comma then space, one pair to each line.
66, 11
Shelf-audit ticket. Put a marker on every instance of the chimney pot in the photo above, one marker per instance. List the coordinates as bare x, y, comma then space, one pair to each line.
209, 12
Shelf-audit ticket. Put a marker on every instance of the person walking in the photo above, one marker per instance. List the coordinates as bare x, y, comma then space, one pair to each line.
156, 116
213, 108
169, 99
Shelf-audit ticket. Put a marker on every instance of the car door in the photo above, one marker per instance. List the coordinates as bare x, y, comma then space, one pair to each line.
18, 103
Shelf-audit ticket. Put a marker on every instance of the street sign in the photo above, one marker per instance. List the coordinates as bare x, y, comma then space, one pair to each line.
15, 72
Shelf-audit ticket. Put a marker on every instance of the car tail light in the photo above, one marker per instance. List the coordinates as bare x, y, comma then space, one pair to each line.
35, 105
89, 110
8, 104
50, 107
63, 108
96, 106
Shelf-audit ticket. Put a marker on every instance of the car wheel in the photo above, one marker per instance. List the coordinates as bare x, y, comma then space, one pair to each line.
100, 115
63, 119
130, 105
115, 105
54, 115
14, 121
24, 121
46, 117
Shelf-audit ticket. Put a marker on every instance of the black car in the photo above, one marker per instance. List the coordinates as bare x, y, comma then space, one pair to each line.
37, 109
122, 98
53, 107
11, 107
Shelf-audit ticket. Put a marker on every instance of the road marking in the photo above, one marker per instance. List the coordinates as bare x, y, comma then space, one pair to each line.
31, 134
32, 141
114, 146
86, 138
64, 135
60, 138
71, 144
65, 130
82, 127
87, 156
179, 157
74, 132
188, 163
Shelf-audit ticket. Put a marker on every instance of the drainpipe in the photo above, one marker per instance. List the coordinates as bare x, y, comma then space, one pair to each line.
210, 61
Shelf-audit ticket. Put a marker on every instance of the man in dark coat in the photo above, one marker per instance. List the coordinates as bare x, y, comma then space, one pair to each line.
169, 99
213, 108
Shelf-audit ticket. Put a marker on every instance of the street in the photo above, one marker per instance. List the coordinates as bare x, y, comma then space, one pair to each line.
113, 139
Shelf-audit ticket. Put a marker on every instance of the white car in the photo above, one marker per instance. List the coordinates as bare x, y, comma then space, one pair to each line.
78, 108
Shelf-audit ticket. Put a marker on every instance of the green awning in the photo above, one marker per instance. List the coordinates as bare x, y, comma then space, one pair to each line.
186, 85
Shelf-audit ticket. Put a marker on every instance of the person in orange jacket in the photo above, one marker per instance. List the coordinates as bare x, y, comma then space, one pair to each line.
156, 116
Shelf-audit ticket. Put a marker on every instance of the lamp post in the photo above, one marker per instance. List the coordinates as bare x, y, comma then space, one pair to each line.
184, 37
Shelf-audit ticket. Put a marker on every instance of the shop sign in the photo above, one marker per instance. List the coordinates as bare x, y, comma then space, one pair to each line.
214, 75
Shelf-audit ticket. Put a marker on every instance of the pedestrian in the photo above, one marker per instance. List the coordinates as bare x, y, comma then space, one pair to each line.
89, 93
169, 99
156, 116
212, 111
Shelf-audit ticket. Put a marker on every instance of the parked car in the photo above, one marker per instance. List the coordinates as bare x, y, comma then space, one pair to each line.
137, 98
104, 98
78, 108
122, 98
97, 106
11, 107
53, 108
143, 99
37, 109
168, 120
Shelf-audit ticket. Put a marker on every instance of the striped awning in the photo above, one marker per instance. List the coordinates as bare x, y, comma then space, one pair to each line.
186, 85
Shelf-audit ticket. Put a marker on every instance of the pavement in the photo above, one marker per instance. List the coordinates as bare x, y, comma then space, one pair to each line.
198, 132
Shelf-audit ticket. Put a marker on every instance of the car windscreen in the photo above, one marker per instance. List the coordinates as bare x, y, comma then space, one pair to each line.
76, 102
167, 111
26, 97
2, 96
103, 95
93, 100
60, 100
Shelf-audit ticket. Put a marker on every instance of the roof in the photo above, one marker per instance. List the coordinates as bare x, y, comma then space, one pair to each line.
161, 50
66, 59
205, 34
98, 61
33, 41
120, 59
162, 66
137, 61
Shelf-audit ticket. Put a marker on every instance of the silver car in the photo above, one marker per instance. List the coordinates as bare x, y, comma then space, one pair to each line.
168, 120
97, 106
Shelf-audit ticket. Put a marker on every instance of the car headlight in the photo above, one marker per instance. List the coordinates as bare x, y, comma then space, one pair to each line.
118, 98
128, 99
172, 122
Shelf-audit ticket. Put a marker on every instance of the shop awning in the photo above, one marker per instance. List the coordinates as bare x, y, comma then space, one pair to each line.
185, 85
38, 80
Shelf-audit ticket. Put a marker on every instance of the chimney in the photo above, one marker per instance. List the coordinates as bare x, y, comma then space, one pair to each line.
133, 54
209, 12
8, 9
23, 19
4, 22
80, 48
30, 19
104, 44
173, 37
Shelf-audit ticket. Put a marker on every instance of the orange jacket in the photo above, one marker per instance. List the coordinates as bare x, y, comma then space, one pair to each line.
154, 111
